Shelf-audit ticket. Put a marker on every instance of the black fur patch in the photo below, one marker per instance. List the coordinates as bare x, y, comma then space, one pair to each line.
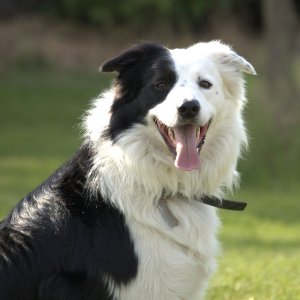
140, 69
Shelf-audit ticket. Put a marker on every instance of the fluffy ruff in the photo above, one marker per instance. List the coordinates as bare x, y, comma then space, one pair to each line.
172, 123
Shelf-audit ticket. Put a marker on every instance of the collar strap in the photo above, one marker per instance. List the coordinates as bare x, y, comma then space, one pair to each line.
212, 201
225, 204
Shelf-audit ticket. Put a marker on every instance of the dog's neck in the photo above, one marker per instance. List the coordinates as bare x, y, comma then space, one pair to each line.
171, 220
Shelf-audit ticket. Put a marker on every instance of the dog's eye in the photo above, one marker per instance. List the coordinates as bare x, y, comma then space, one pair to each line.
205, 84
161, 85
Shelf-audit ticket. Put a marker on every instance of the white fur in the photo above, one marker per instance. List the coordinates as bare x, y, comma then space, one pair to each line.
174, 263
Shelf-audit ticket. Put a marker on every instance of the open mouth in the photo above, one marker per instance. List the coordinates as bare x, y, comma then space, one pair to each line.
185, 143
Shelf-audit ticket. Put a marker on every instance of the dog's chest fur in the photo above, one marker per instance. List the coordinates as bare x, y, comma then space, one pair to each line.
173, 262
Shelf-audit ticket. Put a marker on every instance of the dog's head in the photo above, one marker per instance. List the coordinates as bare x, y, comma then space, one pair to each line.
189, 96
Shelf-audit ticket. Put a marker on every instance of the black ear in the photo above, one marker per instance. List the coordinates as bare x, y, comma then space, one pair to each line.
130, 58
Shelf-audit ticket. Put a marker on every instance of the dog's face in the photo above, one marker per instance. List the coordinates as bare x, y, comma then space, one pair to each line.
185, 94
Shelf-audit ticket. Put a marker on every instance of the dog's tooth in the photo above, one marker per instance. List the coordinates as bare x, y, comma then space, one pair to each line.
198, 133
170, 133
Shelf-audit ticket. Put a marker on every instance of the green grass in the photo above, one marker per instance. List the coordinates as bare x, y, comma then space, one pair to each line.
39, 110
261, 248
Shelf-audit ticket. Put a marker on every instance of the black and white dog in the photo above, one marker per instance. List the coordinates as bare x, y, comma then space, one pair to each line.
119, 221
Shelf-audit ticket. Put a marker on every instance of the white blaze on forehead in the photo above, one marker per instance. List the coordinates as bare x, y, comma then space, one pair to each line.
183, 62
187, 57
194, 64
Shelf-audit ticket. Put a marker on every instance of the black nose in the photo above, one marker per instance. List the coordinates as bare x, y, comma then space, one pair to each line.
189, 109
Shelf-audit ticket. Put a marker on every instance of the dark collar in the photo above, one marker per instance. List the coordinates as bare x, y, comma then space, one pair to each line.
223, 203
212, 201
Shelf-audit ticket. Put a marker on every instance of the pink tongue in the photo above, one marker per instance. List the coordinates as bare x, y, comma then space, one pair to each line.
187, 158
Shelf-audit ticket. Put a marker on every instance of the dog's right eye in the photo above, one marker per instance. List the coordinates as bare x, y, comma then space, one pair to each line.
161, 85
205, 84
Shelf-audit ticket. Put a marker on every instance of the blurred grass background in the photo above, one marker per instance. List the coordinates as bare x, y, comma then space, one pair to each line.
49, 54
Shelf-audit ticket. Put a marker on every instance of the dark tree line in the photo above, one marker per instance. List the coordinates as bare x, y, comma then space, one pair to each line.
178, 14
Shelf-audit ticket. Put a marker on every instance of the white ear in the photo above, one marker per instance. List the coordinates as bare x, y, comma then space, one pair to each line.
241, 63
223, 55
231, 66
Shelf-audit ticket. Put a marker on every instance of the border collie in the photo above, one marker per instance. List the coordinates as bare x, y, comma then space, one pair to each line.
124, 218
